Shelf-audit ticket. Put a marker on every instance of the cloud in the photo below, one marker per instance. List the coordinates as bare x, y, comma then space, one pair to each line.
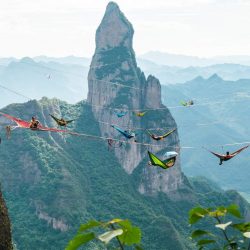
52, 27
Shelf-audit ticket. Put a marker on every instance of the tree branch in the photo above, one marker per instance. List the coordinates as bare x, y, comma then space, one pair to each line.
120, 244
225, 235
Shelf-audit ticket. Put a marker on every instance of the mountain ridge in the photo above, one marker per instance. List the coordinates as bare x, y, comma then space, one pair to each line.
136, 92
54, 182
51, 181
221, 112
180, 60
60, 74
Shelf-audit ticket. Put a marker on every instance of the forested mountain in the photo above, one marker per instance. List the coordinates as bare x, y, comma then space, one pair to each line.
219, 116
53, 182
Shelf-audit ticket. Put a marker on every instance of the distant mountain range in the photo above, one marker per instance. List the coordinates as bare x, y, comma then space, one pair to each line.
66, 77
83, 61
43, 77
61, 79
54, 182
164, 58
173, 74
220, 116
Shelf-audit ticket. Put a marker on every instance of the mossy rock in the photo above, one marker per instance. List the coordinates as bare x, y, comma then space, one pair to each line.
5, 231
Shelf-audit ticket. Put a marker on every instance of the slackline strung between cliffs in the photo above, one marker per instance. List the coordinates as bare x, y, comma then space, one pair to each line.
23, 124
135, 110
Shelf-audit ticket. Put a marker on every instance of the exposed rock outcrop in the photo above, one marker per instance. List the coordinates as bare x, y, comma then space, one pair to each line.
5, 228
115, 81
55, 223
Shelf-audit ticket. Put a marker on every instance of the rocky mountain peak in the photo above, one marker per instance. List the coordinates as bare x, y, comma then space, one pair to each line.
115, 30
26, 60
115, 82
214, 77
112, 6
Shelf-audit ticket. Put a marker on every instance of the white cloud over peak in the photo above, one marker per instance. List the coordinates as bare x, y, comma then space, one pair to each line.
195, 27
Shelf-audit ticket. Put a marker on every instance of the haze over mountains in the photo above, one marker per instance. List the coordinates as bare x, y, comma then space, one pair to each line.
35, 79
66, 78
169, 59
220, 116
54, 182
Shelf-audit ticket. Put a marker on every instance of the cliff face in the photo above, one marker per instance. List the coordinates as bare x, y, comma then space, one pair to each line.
5, 231
114, 61
55, 181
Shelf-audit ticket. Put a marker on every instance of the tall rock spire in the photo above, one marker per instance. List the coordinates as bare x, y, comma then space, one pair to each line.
115, 81
115, 30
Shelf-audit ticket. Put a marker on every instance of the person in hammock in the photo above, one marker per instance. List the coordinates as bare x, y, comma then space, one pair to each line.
34, 123
168, 161
160, 137
127, 133
120, 114
140, 114
187, 103
61, 122
8, 131
114, 144
227, 156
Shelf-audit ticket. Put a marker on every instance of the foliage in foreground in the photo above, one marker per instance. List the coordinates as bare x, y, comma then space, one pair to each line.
224, 234
122, 230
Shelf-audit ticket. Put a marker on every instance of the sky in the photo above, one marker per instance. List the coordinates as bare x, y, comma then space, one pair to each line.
203, 28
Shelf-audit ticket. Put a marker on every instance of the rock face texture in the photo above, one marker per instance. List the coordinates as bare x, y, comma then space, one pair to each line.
5, 231
116, 83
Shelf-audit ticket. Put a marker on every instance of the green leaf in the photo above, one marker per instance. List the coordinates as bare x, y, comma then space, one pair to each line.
108, 236
234, 210
194, 218
205, 242
79, 240
243, 227
89, 225
137, 247
196, 214
198, 233
125, 224
130, 236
